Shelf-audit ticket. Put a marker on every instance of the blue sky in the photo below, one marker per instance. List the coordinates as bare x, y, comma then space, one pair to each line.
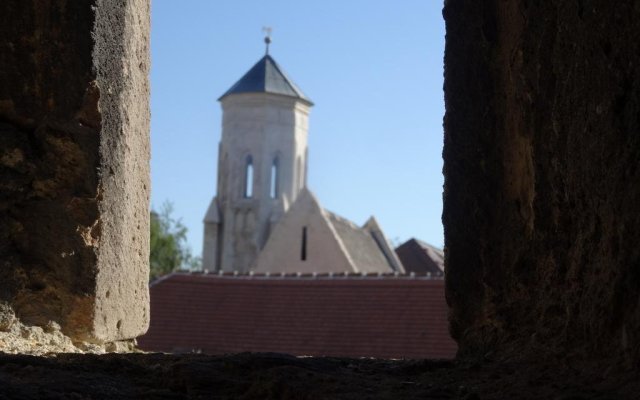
373, 70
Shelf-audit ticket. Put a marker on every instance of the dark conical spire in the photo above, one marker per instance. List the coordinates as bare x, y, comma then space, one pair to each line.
266, 76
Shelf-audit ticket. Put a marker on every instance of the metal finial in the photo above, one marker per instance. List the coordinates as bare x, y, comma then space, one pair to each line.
267, 39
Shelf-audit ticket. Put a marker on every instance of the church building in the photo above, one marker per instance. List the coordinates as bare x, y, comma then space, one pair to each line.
264, 219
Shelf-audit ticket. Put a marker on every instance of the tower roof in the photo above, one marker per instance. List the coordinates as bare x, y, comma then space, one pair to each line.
267, 77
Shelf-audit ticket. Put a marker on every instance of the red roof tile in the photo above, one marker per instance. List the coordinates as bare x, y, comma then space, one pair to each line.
382, 317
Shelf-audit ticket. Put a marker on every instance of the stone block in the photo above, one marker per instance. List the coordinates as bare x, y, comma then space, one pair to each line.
74, 165
542, 178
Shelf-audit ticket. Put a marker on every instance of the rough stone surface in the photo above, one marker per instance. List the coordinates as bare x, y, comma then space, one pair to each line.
49, 340
73, 124
281, 377
121, 57
542, 177
7, 317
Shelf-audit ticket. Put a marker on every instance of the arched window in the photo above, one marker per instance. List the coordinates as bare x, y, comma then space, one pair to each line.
248, 178
274, 179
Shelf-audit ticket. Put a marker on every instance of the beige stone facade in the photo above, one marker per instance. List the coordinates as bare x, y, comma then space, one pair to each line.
311, 239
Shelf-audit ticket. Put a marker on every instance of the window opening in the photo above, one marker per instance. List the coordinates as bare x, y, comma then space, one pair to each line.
274, 179
303, 250
248, 178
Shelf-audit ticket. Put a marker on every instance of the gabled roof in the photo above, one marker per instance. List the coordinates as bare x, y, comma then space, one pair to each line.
331, 243
420, 257
388, 317
267, 77
366, 248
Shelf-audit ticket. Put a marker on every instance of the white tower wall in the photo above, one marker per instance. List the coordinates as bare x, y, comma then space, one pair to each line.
260, 127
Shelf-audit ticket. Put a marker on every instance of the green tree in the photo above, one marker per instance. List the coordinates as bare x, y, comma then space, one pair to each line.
168, 242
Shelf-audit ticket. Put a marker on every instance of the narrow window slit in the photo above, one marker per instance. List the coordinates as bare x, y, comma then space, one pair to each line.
248, 178
303, 250
274, 179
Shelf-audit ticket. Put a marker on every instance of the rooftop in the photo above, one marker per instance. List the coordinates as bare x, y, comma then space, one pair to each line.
385, 317
421, 258
266, 76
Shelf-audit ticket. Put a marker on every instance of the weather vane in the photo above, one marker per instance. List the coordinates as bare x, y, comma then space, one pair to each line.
267, 39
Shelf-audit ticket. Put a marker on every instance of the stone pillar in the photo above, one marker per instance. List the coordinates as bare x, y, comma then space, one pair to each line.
542, 176
74, 165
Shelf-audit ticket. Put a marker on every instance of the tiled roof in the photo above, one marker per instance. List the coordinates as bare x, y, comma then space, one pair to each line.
385, 317
360, 245
421, 257
266, 76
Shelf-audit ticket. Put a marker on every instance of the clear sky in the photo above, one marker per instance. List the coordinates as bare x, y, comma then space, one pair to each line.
373, 70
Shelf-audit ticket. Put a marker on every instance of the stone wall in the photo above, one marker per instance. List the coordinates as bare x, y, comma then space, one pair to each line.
74, 175
542, 177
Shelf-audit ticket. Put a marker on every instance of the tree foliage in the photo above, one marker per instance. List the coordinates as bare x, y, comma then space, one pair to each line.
168, 241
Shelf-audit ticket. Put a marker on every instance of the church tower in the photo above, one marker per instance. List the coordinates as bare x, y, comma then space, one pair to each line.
262, 165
